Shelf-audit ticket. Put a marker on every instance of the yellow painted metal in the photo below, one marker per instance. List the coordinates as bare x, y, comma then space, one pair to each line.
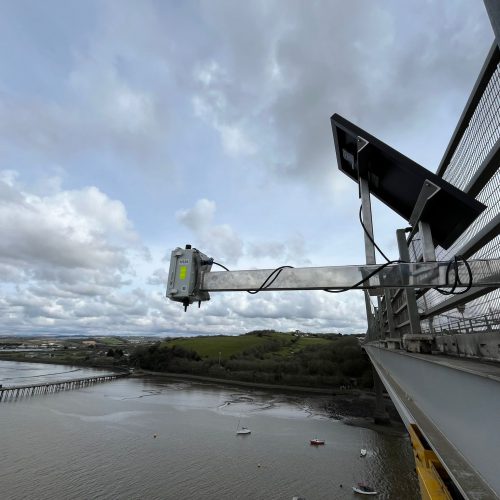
431, 474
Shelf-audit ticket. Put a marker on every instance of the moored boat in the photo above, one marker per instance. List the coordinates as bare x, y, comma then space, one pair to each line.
316, 441
363, 489
243, 430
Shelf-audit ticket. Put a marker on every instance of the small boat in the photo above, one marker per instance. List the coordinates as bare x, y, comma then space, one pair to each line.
241, 431
362, 453
363, 489
316, 441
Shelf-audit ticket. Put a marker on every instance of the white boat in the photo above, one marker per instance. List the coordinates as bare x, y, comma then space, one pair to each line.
363, 489
362, 453
240, 431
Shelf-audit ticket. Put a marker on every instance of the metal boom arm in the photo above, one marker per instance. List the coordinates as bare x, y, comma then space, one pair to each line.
190, 278
400, 275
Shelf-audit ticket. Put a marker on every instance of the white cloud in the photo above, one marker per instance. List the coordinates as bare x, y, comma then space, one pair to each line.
113, 103
234, 140
211, 105
245, 87
223, 243
62, 255
67, 230
198, 218
219, 240
284, 71
67, 257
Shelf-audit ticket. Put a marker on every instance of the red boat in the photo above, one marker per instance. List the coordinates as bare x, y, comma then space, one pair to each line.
317, 441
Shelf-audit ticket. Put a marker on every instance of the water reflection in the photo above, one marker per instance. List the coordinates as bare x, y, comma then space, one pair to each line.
156, 439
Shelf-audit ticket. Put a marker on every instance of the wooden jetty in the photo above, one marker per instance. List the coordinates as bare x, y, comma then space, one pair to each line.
25, 391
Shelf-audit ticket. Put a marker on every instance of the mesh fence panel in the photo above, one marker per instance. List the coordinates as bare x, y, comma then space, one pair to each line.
478, 139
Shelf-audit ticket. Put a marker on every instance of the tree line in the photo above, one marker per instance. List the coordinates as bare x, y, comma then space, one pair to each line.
340, 362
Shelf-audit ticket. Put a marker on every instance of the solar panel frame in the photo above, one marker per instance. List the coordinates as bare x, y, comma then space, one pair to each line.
397, 180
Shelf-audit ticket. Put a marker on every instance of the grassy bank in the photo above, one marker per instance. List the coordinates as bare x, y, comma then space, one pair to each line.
212, 346
264, 357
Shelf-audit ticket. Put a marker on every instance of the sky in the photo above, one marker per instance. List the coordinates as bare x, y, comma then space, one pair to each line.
128, 128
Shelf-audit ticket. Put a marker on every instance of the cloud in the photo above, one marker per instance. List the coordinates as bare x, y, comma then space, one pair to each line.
63, 255
210, 103
293, 250
159, 277
227, 103
284, 71
96, 101
223, 243
198, 218
216, 239
70, 230
102, 112
70, 262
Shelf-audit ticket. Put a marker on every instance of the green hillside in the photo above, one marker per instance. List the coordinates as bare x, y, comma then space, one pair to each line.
227, 346
263, 356
210, 347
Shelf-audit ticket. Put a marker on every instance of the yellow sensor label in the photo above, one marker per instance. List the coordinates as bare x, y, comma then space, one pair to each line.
182, 272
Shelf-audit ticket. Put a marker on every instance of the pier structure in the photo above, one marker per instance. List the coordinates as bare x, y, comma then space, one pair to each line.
14, 393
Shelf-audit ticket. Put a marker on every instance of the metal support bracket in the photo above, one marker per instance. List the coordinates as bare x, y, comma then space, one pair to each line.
429, 189
366, 207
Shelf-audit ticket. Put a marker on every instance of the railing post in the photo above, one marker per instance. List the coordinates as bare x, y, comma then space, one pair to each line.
409, 293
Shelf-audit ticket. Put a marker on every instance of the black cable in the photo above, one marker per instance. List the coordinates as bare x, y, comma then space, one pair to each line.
469, 272
266, 284
370, 237
455, 284
452, 263
457, 281
220, 265
375, 271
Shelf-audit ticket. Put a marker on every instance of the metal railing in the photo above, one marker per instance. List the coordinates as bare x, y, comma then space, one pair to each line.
471, 163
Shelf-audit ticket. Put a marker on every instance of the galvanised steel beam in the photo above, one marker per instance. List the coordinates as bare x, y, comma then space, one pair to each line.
484, 273
456, 405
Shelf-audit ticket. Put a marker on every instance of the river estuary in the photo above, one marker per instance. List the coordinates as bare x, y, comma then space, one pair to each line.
154, 438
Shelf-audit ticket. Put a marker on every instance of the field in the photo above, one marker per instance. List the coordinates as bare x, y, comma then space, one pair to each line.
292, 348
111, 341
210, 347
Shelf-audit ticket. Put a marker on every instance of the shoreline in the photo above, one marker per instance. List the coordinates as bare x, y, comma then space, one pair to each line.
258, 385
352, 407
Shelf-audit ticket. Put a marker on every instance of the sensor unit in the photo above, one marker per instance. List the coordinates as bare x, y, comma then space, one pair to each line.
184, 276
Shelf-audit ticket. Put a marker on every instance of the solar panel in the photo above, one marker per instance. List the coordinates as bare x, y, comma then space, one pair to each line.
396, 181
